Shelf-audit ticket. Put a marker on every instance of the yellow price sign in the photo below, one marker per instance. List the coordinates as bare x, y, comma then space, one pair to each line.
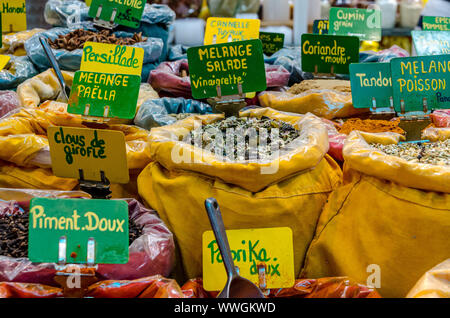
4, 60
112, 59
14, 15
272, 247
91, 150
224, 30
88, 2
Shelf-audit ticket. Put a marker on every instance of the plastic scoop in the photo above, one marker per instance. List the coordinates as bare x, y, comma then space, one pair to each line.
51, 57
236, 286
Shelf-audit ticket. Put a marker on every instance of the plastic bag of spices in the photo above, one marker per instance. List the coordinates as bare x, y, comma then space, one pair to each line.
166, 111
391, 217
18, 70
13, 43
285, 189
69, 57
435, 283
9, 102
171, 79
333, 287
148, 287
151, 252
27, 290
324, 98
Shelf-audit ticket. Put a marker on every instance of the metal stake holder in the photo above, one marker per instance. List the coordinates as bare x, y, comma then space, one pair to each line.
318, 75
97, 189
105, 24
65, 272
414, 122
382, 112
230, 105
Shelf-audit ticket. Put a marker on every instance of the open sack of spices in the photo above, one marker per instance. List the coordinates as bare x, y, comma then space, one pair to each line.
151, 250
26, 156
67, 46
324, 98
338, 132
393, 211
280, 189
333, 287
171, 79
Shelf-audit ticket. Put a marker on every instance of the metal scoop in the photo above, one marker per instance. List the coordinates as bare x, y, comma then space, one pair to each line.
51, 57
237, 286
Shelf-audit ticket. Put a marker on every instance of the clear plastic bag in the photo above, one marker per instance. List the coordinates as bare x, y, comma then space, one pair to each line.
18, 70
9, 102
13, 43
157, 112
65, 13
71, 60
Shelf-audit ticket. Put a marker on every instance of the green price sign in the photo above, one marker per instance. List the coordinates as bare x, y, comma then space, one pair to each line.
272, 42
104, 95
227, 66
321, 26
329, 53
436, 23
419, 81
365, 24
127, 13
371, 84
77, 222
431, 42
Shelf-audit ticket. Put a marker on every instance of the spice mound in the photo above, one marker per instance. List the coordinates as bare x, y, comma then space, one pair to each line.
251, 138
335, 85
371, 126
14, 234
76, 39
436, 153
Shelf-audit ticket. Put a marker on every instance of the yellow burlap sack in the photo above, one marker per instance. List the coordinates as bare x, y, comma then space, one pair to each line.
389, 212
433, 284
292, 197
23, 140
324, 98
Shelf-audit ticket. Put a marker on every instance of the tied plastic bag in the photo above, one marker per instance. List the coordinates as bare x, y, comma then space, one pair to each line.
436, 134
148, 287
25, 290
387, 206
324, 98
441, 118
163, 111
433, 284
383, 56
65, 13
150, 254
71, 60
290, 59
18, 70
333, 287
286, 189
13, 43
171, 79
42, 87
9, 102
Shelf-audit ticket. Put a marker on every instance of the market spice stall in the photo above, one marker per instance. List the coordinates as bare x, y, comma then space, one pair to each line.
330, 162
